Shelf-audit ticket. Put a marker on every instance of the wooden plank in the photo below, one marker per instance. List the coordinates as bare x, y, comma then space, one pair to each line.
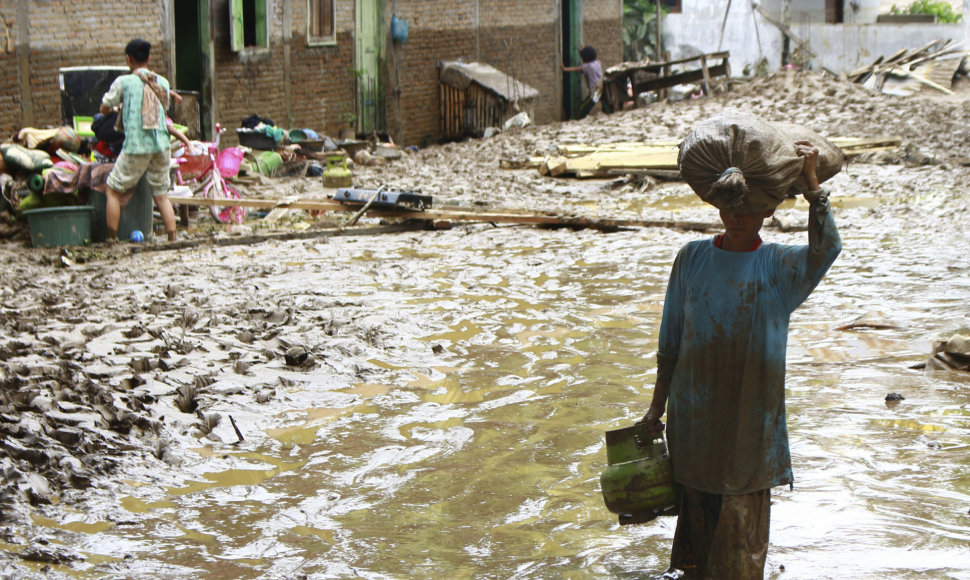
543, 166
857, 152
607, 159
557, 166
497, 216
310, 204
659, 159
706, 74
573, 149
711, 55
849, 143
919, 78
678, 79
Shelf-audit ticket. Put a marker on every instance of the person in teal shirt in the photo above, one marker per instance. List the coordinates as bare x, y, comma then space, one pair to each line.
143, 98
721, 378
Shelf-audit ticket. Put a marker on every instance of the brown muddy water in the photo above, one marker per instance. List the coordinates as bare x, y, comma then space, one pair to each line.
450, 421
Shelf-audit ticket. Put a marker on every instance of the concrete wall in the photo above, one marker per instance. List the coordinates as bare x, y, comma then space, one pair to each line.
746, 34
751, 36
842, 48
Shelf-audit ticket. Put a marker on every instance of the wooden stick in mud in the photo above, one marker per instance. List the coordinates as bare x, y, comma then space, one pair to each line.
238, 433
367, 205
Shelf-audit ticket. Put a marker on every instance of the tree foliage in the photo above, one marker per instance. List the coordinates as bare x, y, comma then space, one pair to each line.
943, 11
640, 29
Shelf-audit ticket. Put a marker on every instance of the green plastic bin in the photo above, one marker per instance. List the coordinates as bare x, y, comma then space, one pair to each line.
135, 215
60, 226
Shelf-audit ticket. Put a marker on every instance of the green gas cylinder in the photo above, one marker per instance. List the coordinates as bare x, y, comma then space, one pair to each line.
638, 484
336, 174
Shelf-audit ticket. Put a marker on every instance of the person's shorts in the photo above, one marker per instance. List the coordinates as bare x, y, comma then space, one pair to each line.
129, 169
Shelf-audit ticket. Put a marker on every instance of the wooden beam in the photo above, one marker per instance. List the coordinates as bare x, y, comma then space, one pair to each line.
573, 149
679, 79
849, 143
449, 215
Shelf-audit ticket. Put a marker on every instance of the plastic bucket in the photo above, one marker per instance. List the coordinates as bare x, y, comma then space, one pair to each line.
135, 215
229, 160
60, 226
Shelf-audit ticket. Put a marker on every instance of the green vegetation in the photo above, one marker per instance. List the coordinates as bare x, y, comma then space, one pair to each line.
943, 11
640, 29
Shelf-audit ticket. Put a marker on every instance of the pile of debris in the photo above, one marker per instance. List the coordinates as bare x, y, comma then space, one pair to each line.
910, 71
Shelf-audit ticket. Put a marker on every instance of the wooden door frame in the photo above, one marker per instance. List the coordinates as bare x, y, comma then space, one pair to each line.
207, 105
361, 83
570, 34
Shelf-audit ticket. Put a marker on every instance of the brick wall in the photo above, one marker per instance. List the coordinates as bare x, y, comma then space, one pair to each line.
519, 37
255, 81
322, 85
10, 110
247, 82
66, 33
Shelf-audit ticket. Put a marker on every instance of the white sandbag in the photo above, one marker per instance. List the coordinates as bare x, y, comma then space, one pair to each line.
741, 162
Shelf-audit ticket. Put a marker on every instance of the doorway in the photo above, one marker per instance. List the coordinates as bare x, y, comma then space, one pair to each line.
368, 66
192, 57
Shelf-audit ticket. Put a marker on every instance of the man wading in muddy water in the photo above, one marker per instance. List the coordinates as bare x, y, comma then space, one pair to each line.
721, 361
146, 151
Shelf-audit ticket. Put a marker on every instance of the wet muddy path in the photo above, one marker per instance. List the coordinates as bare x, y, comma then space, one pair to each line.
448, 420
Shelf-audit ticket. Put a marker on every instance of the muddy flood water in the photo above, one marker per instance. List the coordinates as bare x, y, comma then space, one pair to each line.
448, 419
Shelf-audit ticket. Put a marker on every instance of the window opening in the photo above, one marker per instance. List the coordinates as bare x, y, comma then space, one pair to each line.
249, 24
320, 22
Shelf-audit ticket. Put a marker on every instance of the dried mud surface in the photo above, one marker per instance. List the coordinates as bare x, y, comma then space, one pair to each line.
107, 358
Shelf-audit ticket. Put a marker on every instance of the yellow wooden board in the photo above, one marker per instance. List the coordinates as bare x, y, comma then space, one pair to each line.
601, 160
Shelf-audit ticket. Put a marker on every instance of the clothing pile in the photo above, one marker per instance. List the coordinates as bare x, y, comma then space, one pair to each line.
28, 162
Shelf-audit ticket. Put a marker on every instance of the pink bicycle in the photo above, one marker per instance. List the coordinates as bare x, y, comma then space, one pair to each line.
207, 172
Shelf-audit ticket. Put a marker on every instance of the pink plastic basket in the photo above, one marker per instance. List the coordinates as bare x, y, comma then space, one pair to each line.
229, 161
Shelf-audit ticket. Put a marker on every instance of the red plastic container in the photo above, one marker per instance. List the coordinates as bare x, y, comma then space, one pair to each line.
192, 166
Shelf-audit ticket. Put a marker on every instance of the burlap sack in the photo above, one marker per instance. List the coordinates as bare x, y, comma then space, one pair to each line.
766, 168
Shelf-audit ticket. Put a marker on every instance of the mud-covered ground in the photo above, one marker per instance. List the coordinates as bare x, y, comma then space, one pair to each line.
111, 358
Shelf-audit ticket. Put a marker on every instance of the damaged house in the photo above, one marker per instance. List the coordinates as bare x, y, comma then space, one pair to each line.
365, 65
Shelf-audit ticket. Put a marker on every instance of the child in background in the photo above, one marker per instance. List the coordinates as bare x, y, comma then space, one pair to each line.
592, 70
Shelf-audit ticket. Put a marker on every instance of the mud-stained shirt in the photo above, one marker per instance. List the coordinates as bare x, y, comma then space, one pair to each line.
128, 90
723, 340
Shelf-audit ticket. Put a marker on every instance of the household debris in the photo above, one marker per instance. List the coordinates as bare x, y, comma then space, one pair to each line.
909, 71
952, 354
